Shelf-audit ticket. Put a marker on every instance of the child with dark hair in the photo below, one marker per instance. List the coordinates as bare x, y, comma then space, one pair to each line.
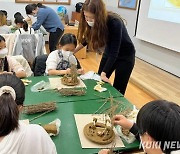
59, 61
8, 63
16, 136
5, 13
4, 29
23, 26
158, 125
18, 16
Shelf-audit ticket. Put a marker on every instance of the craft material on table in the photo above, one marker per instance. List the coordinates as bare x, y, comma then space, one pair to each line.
82, 120
56, 84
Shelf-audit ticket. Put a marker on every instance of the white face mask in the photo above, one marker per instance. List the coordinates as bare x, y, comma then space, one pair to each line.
3, 53
34, 15
90, 23
68, 55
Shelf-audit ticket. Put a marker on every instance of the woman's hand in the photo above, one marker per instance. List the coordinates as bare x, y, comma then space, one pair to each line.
104, 78
122, 121
104, 151
80, 71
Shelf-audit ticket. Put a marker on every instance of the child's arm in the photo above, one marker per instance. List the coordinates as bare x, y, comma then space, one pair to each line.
59, 72
16, 67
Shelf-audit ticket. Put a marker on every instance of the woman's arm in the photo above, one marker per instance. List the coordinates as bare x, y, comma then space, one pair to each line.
79, 47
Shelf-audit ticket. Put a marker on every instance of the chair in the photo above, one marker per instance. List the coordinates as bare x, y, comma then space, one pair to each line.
39, 65
29, 46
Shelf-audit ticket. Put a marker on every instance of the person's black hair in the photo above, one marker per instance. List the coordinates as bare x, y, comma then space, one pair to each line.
2, 38
31, 7
9, 112
17, 15
40, 5
68, 38
22, 21
161, 120
4, 12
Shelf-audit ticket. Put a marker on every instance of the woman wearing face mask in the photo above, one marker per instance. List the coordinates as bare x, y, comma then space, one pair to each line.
49, 19
98, 29
8, 63
59, 61
158, 124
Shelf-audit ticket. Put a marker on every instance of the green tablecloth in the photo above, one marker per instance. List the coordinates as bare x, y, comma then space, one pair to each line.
51, 95
68, 142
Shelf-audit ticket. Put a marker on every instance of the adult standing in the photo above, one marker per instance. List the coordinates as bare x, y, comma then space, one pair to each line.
49, 19
98, 28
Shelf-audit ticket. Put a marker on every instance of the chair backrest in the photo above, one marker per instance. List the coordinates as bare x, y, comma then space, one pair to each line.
29, 46
39, 65
26, 46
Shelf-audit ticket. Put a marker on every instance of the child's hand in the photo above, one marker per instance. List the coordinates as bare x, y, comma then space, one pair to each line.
122, 121
68, 71
104, 151
80, 71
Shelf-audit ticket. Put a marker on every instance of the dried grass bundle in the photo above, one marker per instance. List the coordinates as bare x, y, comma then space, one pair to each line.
42, 107
71, 79
72, 92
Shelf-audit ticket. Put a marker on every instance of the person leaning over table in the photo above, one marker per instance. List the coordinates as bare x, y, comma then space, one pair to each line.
16, 137
7, 63
99, 28
158, 123
49, 19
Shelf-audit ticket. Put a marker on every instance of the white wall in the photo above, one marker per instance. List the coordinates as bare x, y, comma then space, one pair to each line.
163, 58
13, 7
158, 56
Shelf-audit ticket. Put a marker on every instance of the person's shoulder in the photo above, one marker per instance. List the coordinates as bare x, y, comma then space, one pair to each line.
55, 52
35, 130
114, 18
53, 55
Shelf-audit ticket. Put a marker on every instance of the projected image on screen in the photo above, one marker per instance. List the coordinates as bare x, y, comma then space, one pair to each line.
167, 10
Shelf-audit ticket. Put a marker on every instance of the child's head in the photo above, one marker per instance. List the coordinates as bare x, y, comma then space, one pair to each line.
3, 20
3, 49
21, 23
160, 121
2, 42
5, 12
12, 94
17, 15
68, 42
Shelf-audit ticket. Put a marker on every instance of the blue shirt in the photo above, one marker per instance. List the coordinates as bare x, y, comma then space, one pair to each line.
49, 19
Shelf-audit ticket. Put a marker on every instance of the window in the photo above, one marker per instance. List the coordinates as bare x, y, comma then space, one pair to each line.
64, 2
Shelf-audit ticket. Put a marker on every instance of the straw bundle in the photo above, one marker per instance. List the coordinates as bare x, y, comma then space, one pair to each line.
72, 92
42, 107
